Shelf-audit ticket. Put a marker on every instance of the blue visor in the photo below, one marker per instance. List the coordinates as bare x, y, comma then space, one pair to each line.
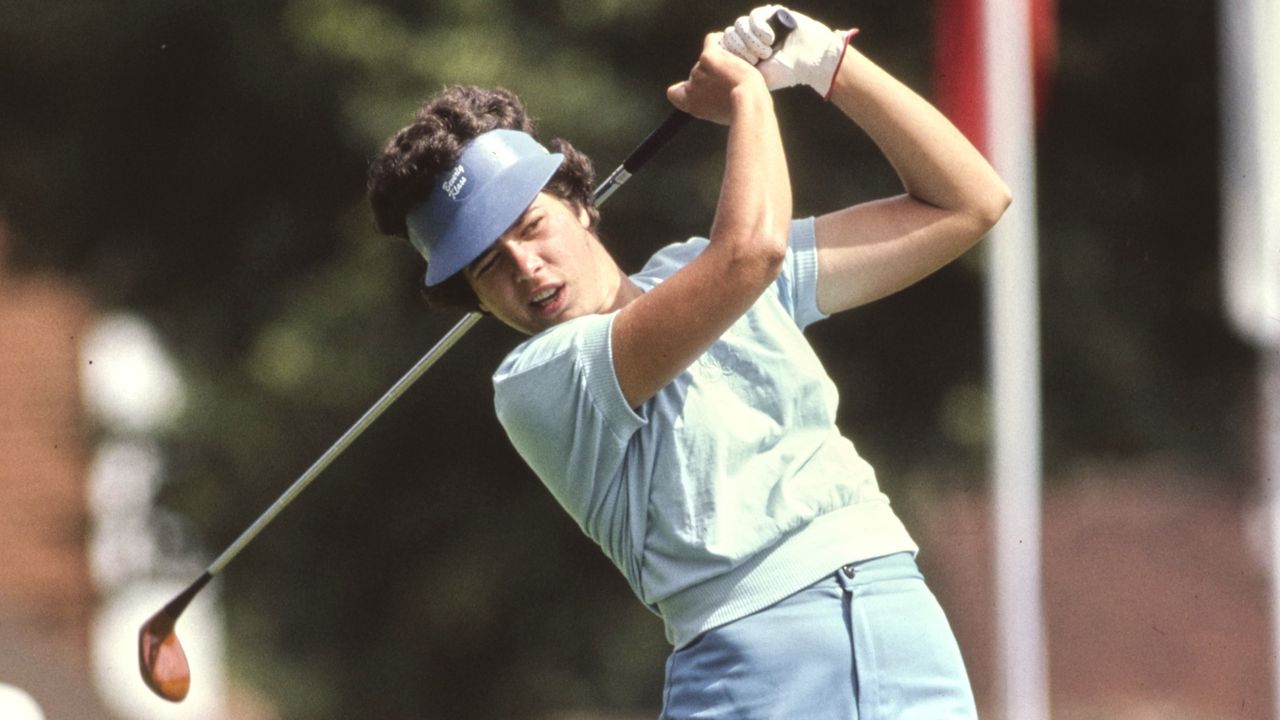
494, 181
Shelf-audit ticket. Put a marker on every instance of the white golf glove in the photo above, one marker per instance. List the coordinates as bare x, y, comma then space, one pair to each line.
810, 56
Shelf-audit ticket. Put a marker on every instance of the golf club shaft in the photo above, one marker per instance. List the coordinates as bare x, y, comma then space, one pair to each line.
632, 164
638, 157
393, 394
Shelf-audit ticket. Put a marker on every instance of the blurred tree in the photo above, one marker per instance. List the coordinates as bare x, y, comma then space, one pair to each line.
204, 164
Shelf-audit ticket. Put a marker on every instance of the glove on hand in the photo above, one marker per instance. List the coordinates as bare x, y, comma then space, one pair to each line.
810, 56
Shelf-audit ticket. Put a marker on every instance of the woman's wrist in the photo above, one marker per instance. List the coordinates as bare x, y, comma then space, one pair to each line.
750, 96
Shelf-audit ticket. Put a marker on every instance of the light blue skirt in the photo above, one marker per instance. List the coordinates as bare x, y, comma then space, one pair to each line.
868, 642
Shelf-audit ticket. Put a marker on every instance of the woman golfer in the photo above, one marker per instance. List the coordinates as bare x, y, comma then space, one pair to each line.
678, 414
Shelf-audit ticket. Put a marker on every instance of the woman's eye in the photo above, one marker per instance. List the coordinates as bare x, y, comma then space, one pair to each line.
484, 264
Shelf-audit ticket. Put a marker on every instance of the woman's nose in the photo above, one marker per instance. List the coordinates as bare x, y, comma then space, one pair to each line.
525, 259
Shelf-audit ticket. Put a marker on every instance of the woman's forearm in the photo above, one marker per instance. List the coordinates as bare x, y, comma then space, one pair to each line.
754, 208
935, 162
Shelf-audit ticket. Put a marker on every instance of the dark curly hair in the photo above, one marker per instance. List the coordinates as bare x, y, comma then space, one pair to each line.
404, 173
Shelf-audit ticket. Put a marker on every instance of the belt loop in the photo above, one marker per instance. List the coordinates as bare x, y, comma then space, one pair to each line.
845, 577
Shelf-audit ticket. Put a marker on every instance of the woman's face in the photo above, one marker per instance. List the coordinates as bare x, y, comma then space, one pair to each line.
548, 267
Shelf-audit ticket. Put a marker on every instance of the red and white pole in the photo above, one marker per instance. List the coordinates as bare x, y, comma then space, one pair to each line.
994, 59
1014, 350
1251, 233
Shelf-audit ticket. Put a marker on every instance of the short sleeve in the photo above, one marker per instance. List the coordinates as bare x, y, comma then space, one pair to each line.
558, 399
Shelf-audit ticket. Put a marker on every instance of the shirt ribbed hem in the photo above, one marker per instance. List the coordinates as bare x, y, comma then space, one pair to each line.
857, 532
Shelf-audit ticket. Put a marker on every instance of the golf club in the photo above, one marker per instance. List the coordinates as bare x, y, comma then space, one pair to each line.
160, 655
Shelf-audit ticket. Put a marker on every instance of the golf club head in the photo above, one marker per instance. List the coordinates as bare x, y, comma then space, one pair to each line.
161, 659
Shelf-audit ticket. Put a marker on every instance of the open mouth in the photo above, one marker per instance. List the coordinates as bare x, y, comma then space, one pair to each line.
544, 299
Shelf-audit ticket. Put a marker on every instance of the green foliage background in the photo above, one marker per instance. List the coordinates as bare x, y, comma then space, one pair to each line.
203, 164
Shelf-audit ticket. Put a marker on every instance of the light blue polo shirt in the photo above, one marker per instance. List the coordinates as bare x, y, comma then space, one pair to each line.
731, 488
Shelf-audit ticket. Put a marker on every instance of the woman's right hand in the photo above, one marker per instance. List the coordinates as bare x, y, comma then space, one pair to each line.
718, 83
